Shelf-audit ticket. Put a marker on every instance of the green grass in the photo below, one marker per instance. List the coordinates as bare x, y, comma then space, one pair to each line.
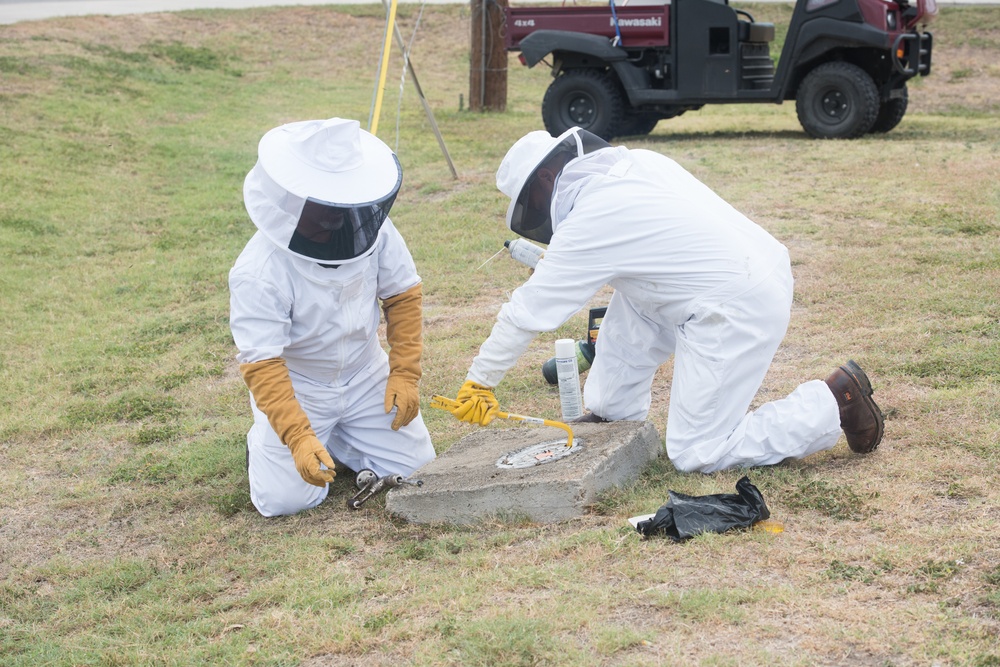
127, 536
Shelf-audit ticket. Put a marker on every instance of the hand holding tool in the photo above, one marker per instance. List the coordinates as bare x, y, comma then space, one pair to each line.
450, 405
475, 404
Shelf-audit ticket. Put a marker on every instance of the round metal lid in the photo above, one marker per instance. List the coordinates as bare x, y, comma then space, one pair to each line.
540, 454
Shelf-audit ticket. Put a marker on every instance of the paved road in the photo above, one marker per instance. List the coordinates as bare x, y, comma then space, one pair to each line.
12, 11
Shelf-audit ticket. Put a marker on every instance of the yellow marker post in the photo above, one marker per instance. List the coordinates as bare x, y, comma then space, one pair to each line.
383, 68
448, 404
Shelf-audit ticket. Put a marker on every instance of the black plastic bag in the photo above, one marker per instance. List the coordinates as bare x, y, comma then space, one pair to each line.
685, 516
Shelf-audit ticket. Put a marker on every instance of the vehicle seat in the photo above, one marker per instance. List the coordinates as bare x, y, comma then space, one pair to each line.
755, 32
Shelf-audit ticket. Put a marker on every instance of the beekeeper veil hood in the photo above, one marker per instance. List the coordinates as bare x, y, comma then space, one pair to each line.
321, 189
529, 213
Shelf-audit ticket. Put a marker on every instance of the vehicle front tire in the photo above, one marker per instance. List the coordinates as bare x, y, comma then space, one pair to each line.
890, 113
584, 98
837, 100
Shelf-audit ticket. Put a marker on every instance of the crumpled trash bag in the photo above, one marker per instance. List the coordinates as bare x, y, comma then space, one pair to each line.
685, 516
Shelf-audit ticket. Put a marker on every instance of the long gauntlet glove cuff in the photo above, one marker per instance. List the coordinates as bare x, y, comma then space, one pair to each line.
274, 394
404, 333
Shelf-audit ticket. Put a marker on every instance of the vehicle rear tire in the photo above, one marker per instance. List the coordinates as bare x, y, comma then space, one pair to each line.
674, 112
584, 98
890, 113
837, 100
637, 124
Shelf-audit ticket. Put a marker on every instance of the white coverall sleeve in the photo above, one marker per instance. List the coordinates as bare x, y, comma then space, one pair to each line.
396, 269
563, 283
506, 343
260, 319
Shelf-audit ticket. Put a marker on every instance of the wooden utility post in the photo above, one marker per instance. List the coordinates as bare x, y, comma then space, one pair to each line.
488, 60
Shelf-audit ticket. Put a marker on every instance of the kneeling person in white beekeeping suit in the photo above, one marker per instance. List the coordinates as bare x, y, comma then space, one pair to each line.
693, 278
304, 312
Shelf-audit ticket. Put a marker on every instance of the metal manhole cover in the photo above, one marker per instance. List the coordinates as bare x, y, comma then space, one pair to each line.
539, 454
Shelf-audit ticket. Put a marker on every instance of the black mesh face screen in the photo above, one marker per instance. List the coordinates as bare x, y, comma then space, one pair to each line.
531, 217
529, 222
331, 232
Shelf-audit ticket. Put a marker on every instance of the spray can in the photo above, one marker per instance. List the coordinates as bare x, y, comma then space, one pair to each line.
584, 360
569, 379
524, 251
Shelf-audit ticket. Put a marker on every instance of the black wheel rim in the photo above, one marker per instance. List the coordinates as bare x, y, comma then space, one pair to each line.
834, 105
581, 110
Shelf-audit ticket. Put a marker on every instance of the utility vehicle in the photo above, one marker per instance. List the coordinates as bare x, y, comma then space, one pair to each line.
620, 68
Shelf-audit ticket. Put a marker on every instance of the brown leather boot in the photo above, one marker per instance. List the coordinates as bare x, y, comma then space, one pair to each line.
861, 419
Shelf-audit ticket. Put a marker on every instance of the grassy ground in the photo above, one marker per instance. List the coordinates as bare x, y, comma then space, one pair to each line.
126, 534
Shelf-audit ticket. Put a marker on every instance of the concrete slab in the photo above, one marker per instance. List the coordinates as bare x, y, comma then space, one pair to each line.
480, 477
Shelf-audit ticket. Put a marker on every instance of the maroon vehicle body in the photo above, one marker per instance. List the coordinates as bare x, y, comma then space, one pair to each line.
620, 69
640, 25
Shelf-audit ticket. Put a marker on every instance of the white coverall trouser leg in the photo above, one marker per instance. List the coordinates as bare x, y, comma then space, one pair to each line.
721, 355
351, 421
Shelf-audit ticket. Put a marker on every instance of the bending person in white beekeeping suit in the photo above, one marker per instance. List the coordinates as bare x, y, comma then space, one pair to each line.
693, 278
304, 312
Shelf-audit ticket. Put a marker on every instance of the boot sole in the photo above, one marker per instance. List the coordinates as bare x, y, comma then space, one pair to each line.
859, 376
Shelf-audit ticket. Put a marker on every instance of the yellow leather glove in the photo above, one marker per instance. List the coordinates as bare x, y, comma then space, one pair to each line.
272, 390
478, 405
404, 332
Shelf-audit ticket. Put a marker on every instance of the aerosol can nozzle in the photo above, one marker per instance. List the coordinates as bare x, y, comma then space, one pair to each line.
525, 251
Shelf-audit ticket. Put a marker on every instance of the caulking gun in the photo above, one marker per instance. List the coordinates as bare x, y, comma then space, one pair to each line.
524, 251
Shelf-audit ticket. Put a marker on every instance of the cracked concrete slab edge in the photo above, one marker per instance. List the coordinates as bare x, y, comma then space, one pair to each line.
544, 499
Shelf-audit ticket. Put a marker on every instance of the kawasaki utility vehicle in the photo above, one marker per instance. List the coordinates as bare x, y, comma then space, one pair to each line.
620, 68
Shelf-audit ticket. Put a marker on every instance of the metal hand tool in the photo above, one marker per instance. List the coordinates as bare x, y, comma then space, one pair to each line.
449, 404
370, 484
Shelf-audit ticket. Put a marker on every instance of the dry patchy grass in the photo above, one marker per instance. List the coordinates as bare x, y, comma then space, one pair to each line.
128, 539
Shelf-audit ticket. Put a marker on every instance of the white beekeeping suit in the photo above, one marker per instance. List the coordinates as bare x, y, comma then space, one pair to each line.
693, 278
305, 301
